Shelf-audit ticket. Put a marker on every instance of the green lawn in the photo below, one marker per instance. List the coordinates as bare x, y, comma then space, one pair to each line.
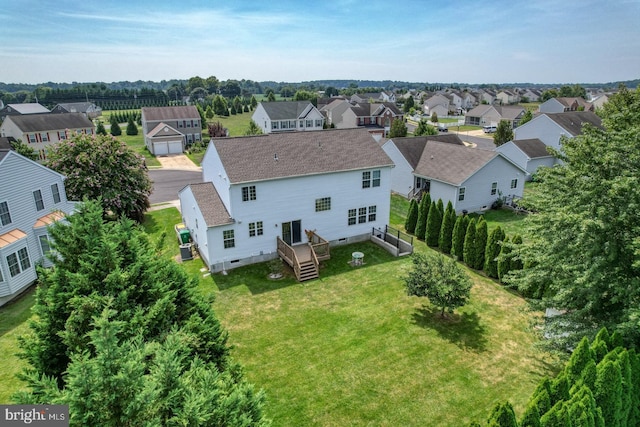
350, 348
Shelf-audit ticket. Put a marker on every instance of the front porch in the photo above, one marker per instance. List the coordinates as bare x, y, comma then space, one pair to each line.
305, 258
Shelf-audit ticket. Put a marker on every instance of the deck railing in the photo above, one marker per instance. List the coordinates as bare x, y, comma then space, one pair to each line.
289, 255
319, 246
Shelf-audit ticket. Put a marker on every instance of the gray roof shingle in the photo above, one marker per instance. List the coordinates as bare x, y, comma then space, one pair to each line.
153, 114
28, 108
285, 110
451, 163
572, 121
533, 148
210, 204
412, 148
47, 121
281, 155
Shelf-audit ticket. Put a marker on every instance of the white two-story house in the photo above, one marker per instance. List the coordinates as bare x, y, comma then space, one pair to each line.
262, 191
287, 116
31, 198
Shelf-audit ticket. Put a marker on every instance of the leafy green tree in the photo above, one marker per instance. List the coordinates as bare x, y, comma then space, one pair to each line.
208, 113
424, 129
516, 261
440, 280
220, 106
253, 129
271, 97
492, 251
531, 416
409, 103
24, 149
398, 129
412, 217
434, 223
526, 117
503, 134
434, 117
548, 94
423, 214
115, 127
254, 102
446, 231
100, 130
132, 129
459, 233
469, 249
102, 168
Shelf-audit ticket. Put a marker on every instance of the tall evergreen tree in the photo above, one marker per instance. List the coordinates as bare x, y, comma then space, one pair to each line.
115, 127
480, 245
503, 416
469, 249
608, 392
446, 231
493, 251
100, 130
412, 217
504, 259
423, 214
132, 129
434, 222
459, 233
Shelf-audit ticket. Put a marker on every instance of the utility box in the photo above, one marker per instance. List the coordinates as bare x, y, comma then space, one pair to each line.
185, 252
184, 236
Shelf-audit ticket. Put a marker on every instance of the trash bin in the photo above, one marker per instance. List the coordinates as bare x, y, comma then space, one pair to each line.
184, 236
185, 252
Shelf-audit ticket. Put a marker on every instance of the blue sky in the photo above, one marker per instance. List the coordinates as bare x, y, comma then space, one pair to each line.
538, 41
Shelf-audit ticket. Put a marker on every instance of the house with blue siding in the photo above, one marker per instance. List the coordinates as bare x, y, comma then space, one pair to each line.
263, 195
31, 198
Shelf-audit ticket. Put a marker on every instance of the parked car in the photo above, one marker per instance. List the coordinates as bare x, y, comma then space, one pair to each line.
489, 129
443, 129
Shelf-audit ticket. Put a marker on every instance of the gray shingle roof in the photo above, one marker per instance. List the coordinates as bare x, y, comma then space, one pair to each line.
285, 110
210, 204
412, 148
533, 148
451, 163
572, 121
28, 108
75, 107
170, 113
281, 155
47, 122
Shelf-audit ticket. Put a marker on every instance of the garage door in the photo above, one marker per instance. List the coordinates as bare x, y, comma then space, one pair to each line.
161, 148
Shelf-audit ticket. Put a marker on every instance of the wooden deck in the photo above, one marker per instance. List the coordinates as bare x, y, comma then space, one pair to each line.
303, 252
305, 258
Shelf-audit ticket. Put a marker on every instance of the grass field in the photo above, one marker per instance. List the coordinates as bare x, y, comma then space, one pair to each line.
350, 348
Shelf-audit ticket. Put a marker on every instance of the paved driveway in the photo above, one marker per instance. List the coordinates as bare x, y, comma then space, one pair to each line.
176, 172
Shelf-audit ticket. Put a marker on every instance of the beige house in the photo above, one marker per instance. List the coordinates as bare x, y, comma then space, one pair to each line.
40, 131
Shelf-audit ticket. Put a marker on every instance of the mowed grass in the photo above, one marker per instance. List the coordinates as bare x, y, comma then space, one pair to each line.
351, 348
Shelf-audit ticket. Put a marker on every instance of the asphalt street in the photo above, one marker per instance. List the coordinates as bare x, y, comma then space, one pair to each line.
167, 183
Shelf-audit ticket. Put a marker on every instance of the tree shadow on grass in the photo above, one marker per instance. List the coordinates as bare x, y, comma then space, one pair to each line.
462, 329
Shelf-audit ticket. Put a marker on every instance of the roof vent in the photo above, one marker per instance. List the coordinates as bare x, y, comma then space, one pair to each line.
275, 157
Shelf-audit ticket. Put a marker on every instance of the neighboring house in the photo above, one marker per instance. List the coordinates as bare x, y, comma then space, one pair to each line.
31, 198
487, 114
438, 104
486, 96
600, 100
6, 142
406, 153
550, 128
20, 109
260, 192
529, 154
374, 97
39, 131
506, 97
334, 111
563, 105
168, 130
532, 95
287, 116
468, 100
89, 109
470, 178
377, 118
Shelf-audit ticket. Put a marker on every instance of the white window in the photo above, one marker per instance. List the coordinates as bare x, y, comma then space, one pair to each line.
5, 216
44, 244
351, 217
318, 123
371, 179
461, 192
284, 124
62, 135
376, 179
309, 123
32, 138
55, 192
275, 125
514, 183
494, 188
301, 124
323, 204
44, 137
362, 215
228, 239
18, 262
372, 213
37, 196
256, 229
248, 193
